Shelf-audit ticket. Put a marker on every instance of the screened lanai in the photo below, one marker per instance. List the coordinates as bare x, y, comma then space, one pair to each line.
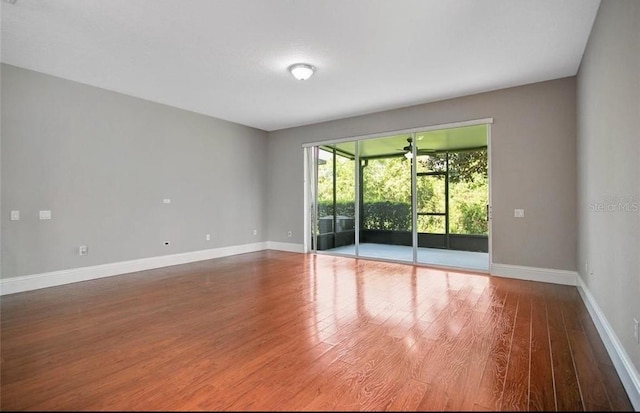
370, 194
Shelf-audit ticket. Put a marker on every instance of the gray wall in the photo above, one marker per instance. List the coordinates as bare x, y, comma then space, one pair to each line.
103, 162
609, 167
533, 158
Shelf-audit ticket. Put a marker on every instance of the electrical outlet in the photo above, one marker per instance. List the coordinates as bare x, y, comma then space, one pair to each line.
15, 215
255, 232
518, 213
83, 250
208, 237
636, 334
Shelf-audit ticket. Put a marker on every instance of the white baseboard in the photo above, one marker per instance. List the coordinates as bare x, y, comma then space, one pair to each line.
50, 279
285, 246
622, 362
534, 274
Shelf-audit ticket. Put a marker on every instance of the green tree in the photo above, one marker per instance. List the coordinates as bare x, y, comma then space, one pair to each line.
387, 191
463, 165
468, 201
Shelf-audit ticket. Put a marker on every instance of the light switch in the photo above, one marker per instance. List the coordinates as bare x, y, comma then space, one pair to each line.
518, 213
166, 200
15, 215
45, 214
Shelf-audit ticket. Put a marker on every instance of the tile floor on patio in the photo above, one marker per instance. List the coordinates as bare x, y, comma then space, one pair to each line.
475, 261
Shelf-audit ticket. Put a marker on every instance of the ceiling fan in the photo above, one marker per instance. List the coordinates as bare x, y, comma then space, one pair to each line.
408, 150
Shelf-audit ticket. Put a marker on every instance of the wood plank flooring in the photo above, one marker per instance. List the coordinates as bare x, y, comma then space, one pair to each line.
283, 331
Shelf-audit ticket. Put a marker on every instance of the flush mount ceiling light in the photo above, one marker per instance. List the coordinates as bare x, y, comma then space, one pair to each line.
301, 71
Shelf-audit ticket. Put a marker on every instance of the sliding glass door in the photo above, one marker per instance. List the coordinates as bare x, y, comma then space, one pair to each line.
419, 197
335, 198
385, 186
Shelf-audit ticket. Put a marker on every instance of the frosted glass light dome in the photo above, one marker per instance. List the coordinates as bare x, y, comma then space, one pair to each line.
301, 71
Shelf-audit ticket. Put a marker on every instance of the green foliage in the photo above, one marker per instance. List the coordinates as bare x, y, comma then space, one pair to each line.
394, 216
345, 179
387, 179
468, 205
463, 166
345, 209
473, 219
387, 192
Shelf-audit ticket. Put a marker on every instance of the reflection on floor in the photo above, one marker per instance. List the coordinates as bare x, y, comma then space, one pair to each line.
434, 256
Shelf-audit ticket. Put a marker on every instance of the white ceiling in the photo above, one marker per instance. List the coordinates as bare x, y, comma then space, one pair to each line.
228, 58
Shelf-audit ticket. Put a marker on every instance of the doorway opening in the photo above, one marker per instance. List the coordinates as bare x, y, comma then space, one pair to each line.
421, 196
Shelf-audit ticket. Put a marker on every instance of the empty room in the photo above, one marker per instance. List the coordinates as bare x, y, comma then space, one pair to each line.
336, 205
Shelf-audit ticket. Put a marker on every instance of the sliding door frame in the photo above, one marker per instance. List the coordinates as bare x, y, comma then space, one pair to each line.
311, 205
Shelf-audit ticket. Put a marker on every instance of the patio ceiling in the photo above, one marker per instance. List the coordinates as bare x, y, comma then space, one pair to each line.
437, 140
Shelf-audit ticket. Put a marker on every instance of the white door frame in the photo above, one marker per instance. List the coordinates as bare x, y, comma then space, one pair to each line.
310, 176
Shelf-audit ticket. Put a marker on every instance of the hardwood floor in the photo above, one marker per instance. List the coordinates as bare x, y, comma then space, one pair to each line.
283, 331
